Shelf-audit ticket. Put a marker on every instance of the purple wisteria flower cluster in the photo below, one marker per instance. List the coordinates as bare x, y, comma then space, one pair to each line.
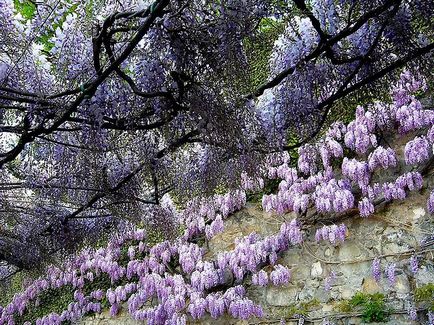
213, 209
376, 269
328, 281
390, 273
366, 208
147, 276
251, 251
334, 234
417, 150
414, 265
251, 184
280, 275
260, 278
382, 158
360, 132
430, 203
316, 183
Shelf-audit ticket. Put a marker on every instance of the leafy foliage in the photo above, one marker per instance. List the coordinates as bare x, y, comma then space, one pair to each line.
425, 294
26, 8
372, 306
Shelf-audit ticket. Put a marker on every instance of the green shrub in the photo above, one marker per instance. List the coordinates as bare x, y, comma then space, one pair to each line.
425, 294
372, 306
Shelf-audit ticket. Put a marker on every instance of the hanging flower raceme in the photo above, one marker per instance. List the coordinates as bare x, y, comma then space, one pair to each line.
392, 191
390, 273
414, 266
412, 181
331, 197
376, 269
430, 203
280, 275
307, 159
329, 148
334, 234
328, 281
356, 171
417, 151
260, 278
366, 207
382, 158
215, 227
359, 136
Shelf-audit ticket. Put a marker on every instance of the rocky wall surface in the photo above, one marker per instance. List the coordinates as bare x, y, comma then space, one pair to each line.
392, 234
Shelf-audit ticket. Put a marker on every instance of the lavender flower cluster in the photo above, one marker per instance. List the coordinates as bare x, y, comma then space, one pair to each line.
417, 150
382, 158
390, 273
366, 207
280, 275
251, 184
430, 203
251, 251
360, 136
376, 269
328, 281
322, 189
334, 234
201, 210
148, 276
333, 197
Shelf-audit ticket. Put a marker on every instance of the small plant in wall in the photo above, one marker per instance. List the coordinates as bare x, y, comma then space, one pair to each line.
372, 306
424, 295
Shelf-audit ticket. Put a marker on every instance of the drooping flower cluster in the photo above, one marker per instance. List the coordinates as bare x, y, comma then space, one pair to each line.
382, 158
280, 275
412, 181
334, 234
430, 203
414, 265
251, 251
360, 136
307, 159
332, 197
366, 208
417, 151
412, 117
329, 280
390, 273
260, 278
376, 269
201, 210
214, 228
251, 184
356, 171
329, 148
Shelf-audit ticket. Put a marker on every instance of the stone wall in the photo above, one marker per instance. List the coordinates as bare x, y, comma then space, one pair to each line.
392, 234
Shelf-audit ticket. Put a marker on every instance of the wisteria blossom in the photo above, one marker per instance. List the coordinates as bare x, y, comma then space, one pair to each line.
376, 269
334, 234
390, 273
417, 150
430, 203
414, 265
329, 280
280, 275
